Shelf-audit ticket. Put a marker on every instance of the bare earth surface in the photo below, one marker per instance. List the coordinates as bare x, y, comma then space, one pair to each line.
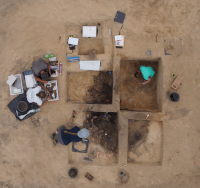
30, 28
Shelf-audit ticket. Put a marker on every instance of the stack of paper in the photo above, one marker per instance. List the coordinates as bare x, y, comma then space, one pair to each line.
29, 81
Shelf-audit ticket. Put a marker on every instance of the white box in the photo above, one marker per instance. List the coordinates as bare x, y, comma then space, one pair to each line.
89, 31
73, 41
55, 88
90, 65
119, 40
12, 89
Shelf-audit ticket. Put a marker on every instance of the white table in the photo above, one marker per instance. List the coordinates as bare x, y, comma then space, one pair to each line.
90, 65
89, 31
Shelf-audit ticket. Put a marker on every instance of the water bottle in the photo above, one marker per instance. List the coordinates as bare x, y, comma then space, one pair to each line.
49, 55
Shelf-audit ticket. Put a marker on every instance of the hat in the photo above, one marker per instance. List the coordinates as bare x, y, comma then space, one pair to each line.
44, 76
83, 133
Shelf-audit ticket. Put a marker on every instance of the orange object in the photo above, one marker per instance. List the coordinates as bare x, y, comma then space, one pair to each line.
102, 155
52, 102
82, 107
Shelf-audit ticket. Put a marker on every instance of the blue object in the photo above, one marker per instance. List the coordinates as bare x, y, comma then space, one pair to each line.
166, 52
68, 99
73, 59
133, 115
67, 138
147, 72
110, 72
109, 140
129, 120
129, 160
104, 115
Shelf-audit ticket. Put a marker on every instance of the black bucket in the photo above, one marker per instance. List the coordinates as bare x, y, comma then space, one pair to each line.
174, 97
22, 106
73, 172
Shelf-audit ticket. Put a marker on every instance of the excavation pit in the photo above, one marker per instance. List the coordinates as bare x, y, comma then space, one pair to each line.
88, 44
145, 142
103, 139
133, 94
90, 87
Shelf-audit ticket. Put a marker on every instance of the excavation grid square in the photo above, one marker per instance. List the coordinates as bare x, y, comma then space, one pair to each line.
133, 94
145, 142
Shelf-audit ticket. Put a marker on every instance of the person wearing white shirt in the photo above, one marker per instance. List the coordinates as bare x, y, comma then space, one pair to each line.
36, 94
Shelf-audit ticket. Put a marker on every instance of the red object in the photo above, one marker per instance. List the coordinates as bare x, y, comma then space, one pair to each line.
194, 162
75, 113
160, 122
107, 100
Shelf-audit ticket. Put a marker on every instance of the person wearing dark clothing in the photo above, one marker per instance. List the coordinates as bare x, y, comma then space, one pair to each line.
41, 70
65, 136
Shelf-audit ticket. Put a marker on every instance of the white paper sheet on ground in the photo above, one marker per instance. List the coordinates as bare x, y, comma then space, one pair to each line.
73, 41
11, 80
29, 81
89, 31
90, 65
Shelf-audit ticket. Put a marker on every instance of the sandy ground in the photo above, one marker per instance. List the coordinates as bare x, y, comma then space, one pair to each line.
30, 28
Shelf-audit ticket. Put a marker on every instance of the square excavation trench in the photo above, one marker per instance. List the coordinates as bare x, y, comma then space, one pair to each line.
103, 138
90, 87
87, 44
145, 142
134, 95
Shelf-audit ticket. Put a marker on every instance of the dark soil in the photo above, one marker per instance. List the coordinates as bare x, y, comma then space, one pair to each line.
137, 133
99, 124
101, 91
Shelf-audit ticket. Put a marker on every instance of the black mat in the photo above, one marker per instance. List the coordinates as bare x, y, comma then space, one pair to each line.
86, 141
119, 17
13, 107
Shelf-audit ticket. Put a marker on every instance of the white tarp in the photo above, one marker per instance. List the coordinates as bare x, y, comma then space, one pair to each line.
73, 41
90, 65
89, 31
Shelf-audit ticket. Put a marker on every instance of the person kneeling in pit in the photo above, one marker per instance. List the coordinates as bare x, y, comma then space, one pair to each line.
36, 95
146, 72
65, 136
